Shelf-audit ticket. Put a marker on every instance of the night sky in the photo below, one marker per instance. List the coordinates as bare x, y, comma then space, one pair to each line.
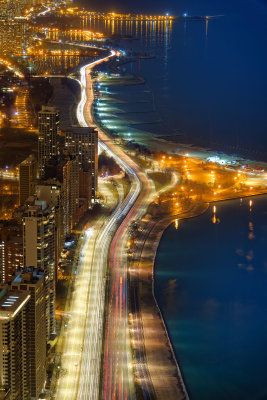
174, 6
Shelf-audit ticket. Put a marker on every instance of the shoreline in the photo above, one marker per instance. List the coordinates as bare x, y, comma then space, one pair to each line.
179, 388
168, 221
169, 383
167, 225
159, 388
157, 142
152, 242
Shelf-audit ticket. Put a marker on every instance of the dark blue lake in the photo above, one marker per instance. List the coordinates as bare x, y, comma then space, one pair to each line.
207, 84
211, 286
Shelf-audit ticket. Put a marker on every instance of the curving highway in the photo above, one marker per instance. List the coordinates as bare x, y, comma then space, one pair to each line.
117, 373
88, 355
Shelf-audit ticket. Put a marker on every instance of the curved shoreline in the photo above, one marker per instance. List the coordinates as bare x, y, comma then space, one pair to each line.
179, 388
171, 386
169, 383
157, 343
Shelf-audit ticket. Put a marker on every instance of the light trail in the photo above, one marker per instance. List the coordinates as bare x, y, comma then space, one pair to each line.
118, 378
48, 9
118, 371
83, 381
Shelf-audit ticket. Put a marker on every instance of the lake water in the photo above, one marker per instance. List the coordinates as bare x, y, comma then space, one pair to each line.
211, 286
207, 84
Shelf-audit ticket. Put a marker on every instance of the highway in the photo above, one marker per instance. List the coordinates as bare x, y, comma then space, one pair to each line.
117, 373
87, 355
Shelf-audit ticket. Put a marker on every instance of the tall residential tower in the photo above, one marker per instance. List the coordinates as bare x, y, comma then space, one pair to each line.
83, 142
14, 357
27, 176
39, 251
48, 138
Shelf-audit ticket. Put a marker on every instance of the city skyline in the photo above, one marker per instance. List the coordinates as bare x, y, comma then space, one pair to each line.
132, 222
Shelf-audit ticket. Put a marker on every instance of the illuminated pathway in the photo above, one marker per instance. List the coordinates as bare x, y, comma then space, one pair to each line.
118, 378
103, 256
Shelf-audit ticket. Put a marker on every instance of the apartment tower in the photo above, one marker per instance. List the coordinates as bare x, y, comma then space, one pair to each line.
48, 138
14, 357
83, 142
27, 177
39, 251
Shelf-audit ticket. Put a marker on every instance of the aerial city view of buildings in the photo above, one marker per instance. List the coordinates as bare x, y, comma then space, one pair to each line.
83, 209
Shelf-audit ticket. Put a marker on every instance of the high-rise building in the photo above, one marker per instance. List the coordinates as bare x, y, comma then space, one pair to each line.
31, 281
14, 357
71, 184
39, 251
85, 184
51, 191
15, 31
84, 143
48, 138
27, 177
66, 170
11, 249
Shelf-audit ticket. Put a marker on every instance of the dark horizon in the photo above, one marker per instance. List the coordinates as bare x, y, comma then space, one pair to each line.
192, 7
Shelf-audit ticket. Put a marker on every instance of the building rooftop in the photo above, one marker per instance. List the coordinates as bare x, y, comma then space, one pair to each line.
80, 130
47, 109
11, 301
29, 160
33, 204
28, 275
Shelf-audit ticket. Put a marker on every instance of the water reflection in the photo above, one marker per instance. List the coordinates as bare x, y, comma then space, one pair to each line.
151, 33
218, 327
251, 231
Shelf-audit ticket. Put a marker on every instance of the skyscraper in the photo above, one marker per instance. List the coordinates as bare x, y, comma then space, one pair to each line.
51, 191
48, 146
66, 170
39, 251
27, 176
84, 143
14, 357
11, 249
14, 31
71, 183
31, 281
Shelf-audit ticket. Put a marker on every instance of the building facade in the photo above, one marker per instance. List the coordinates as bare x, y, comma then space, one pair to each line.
27, 178
31, 281
71, 191
48, 137
83, 142
39, 251
51, 191
11, 249
66, 170
14, 357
